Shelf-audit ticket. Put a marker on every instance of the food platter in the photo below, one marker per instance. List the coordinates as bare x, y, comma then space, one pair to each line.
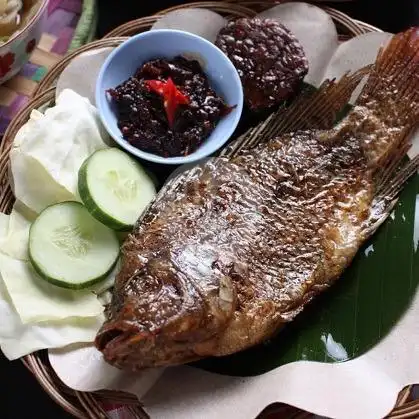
46, 94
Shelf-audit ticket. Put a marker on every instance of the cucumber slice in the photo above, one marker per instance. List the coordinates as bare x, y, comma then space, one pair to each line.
115, 188
70, 248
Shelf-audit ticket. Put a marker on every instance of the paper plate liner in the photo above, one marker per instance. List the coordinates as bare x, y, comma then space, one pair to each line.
89, 404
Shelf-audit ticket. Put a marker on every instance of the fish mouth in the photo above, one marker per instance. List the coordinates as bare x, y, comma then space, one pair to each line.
110, 338
127, 347
115, 341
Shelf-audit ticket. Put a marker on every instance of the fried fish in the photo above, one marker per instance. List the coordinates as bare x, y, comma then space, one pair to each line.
236, 247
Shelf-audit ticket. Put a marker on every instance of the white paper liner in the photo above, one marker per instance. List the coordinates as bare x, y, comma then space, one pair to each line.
86, 69
202, 22
366, 387
314, 28
93, 373
355, 54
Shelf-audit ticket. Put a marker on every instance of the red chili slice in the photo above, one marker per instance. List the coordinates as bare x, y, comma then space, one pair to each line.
172, 96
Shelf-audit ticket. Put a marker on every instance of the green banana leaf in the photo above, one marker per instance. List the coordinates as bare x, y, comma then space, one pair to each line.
357, 311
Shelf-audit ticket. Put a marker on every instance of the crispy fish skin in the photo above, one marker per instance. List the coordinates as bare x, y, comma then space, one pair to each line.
234, 248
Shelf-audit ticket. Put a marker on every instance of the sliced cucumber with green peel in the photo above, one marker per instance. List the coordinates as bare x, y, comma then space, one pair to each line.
115, 188
71, 249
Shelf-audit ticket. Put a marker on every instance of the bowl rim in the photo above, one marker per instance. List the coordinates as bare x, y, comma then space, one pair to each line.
178, 160
19, 34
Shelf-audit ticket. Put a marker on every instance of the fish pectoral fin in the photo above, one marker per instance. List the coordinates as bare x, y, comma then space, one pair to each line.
380, 211
392, 186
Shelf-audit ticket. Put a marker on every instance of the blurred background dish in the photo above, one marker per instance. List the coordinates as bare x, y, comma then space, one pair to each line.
21, 26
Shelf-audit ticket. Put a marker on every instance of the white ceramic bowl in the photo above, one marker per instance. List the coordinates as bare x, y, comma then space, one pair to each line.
15, 53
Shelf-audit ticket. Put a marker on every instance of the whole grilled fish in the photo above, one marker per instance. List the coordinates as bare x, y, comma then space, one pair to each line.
236, 247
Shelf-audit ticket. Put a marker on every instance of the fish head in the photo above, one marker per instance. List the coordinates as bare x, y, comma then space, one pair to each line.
167, 307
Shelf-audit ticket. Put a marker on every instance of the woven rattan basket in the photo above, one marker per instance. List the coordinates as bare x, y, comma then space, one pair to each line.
88, 405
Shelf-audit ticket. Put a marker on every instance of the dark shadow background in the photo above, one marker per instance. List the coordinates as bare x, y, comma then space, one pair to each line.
389, 15
20, 395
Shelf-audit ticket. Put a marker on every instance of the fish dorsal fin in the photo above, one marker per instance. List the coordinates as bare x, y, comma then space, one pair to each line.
312, 109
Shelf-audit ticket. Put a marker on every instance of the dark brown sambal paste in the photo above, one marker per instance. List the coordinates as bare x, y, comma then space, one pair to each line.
168, 107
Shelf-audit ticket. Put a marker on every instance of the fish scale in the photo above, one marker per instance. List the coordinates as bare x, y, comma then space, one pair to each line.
236, 247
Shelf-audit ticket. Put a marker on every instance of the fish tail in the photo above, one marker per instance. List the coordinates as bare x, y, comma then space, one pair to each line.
384, 117
388, 107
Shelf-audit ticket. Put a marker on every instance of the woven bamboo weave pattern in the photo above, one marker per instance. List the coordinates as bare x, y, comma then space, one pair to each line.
94, 405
